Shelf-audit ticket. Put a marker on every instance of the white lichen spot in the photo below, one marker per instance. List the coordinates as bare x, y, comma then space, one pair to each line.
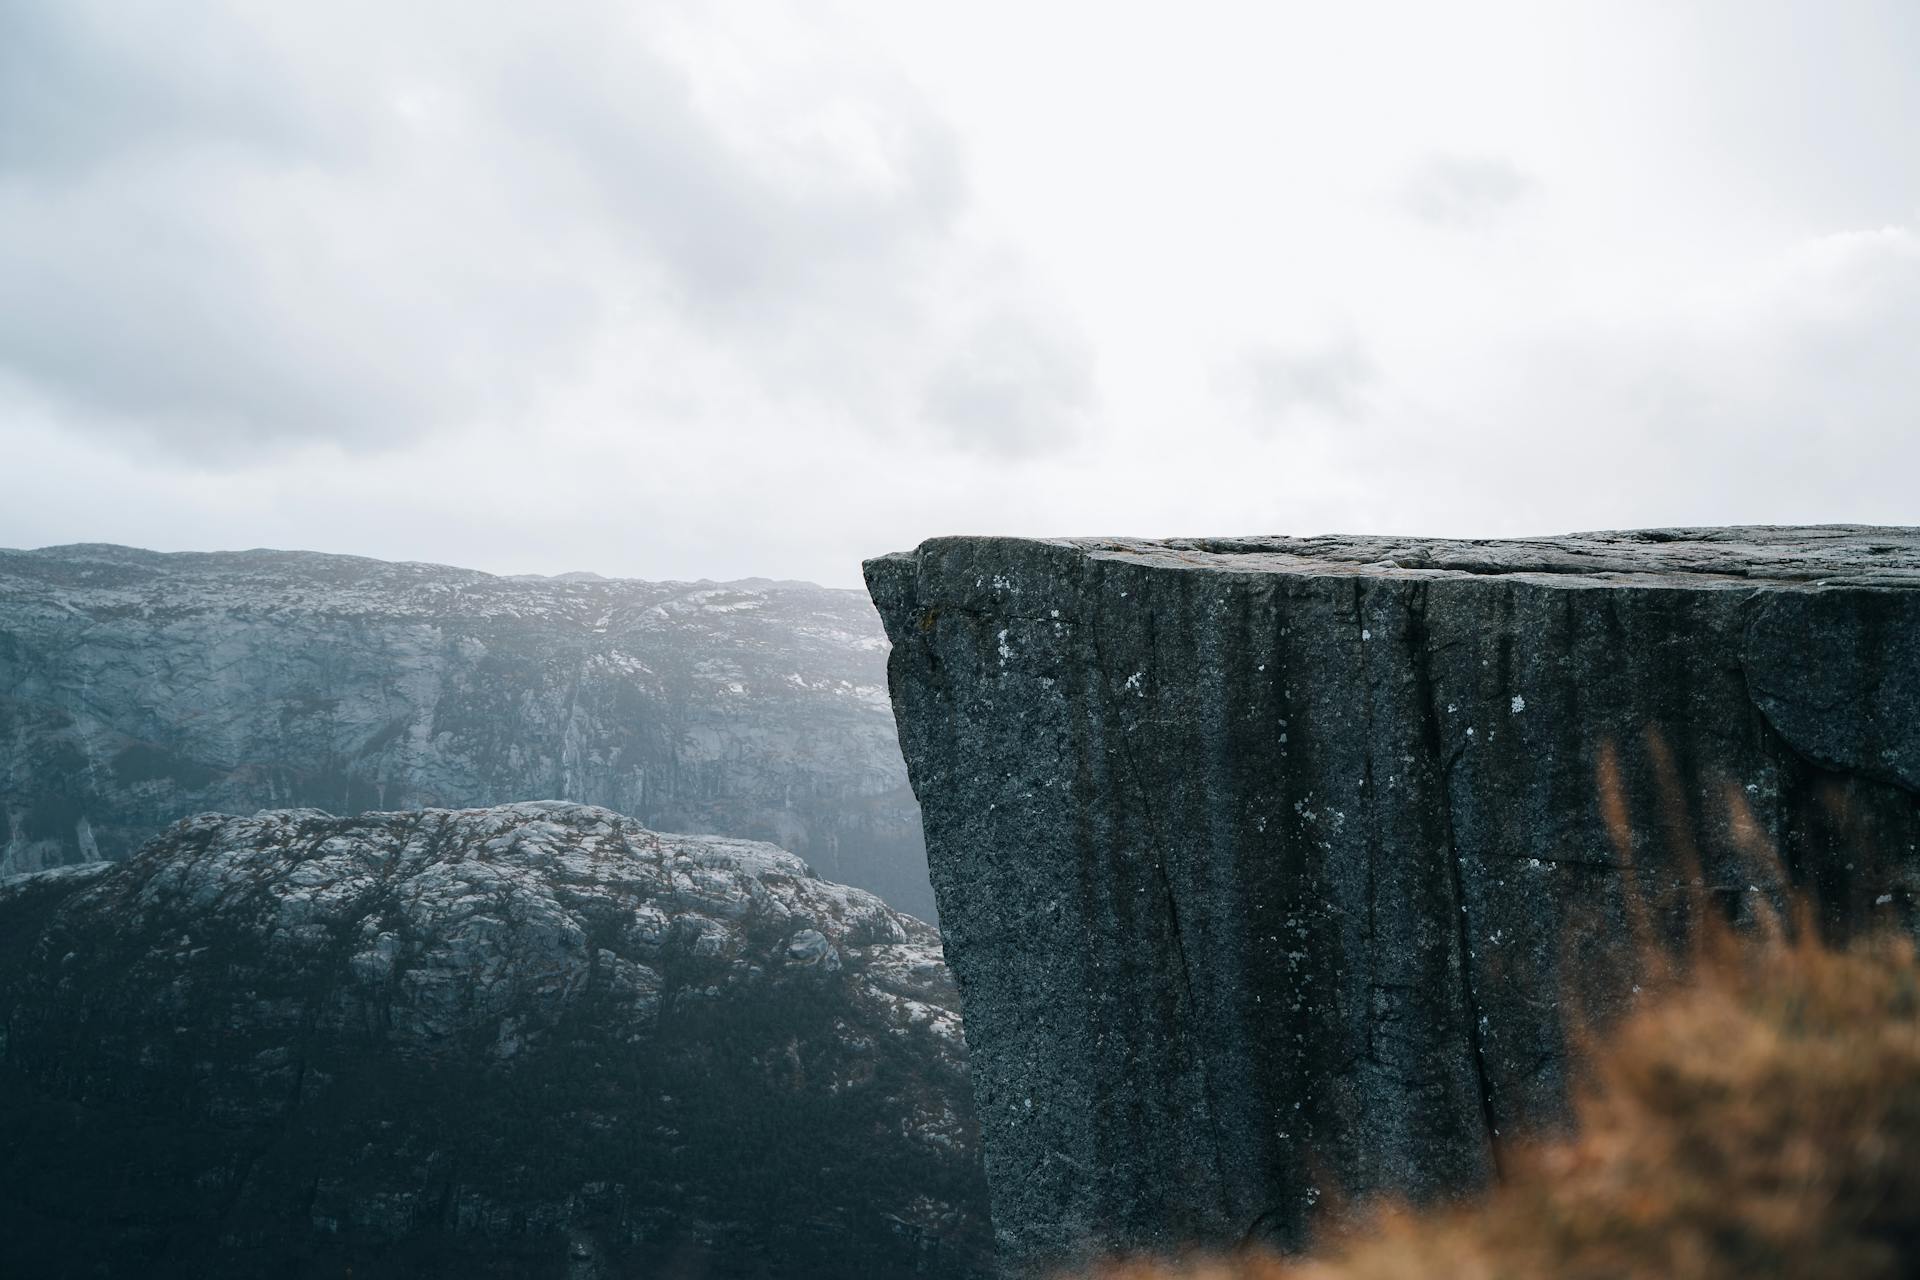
1365, 634
1133, 683
1519, 704
1006, 650
1883, 900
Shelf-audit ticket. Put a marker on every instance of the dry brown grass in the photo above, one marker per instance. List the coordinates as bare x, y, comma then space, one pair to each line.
1758, 1116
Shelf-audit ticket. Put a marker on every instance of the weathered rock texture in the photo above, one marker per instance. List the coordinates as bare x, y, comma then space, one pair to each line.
138, 688
538, 1040
1267, 866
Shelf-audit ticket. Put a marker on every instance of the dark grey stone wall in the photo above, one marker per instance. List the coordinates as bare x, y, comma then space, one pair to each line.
1274, 868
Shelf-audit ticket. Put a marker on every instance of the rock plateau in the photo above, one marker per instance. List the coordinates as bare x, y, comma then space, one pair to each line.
1270, 867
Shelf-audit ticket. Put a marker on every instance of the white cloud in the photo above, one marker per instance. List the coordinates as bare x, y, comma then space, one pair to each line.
684, 289
235, 236
1795, 389
1330, 380
1011, 386
1785, 393
1469, 192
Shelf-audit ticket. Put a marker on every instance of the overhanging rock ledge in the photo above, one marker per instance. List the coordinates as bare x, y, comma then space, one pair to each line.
1266, 864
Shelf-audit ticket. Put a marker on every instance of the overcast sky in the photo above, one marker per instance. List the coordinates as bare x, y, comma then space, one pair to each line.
716, 290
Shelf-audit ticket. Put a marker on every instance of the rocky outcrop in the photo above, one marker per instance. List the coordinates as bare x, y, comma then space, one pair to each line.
537, 1040
1269, 868
138, 688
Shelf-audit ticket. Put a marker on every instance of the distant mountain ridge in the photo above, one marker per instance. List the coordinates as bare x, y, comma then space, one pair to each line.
138, 687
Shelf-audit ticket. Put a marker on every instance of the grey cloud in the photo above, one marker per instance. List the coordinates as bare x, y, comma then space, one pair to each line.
229, 235
1464, 192
83, 84
1278, 383
228, 316
1014, 387
209, 243
738, 239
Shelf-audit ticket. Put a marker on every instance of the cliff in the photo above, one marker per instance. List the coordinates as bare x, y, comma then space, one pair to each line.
1276, 868
537, 1040
137, 688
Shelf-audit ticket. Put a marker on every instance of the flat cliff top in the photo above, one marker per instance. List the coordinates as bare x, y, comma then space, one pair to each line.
1808, 555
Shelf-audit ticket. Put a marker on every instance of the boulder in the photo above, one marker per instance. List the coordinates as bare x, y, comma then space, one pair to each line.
534, 1040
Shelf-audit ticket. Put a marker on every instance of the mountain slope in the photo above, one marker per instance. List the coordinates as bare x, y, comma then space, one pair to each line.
137, 688
536, 1040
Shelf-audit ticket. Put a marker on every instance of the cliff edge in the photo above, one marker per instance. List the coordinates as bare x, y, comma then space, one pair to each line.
1276, 868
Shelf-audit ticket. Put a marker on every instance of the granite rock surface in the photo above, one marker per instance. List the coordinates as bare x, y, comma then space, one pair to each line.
137, 688
1270, 869
534, 1040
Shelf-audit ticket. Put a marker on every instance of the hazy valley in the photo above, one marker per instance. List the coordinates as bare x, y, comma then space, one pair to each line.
137, 688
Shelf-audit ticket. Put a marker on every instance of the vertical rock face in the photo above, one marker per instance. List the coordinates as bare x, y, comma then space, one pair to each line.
138, 688
1269, 867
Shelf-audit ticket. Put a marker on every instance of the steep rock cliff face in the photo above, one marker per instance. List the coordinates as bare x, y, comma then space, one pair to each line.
537, 1040
1268, 868
137, 688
